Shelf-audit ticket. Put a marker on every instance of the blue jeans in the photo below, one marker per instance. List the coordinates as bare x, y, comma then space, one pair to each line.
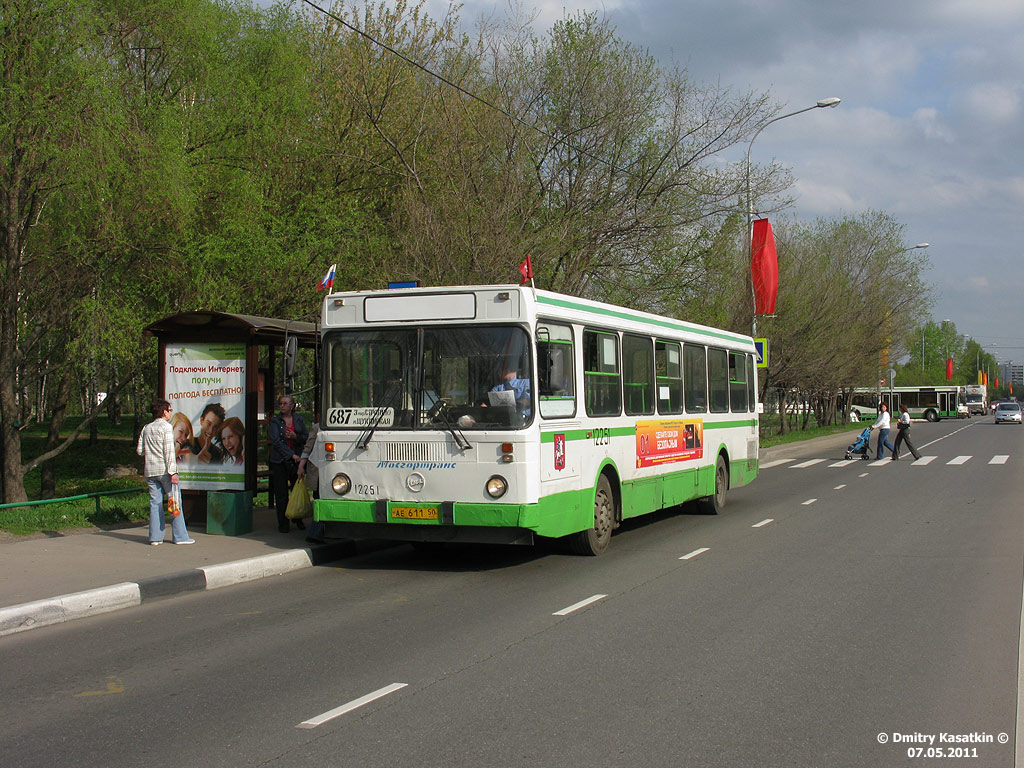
159, 487
883, 443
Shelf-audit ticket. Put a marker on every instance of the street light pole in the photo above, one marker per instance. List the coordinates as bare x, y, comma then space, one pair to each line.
832, 101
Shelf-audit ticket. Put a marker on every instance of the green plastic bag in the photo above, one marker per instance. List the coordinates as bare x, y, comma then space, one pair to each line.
300, 503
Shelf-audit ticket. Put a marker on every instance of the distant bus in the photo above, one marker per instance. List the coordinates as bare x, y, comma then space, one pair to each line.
497, 414
931, 403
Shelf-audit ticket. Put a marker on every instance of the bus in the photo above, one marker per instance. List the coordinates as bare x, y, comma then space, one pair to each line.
931, 403
499, 414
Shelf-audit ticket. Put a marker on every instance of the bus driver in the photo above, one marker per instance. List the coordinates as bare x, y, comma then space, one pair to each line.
520, 387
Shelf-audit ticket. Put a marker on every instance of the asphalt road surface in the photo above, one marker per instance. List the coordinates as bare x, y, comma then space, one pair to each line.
837, 614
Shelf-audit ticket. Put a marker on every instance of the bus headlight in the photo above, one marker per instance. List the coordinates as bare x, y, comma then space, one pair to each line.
496, 487
341, 484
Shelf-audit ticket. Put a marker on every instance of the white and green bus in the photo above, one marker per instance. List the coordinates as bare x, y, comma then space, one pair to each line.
931, 403
499, 414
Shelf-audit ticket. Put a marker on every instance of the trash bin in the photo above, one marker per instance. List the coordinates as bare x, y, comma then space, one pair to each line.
229, 513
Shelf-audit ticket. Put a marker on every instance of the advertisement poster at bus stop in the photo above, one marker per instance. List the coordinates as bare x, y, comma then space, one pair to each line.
205, 385
663, 442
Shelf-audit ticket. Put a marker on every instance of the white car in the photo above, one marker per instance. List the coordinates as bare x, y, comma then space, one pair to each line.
1008, 412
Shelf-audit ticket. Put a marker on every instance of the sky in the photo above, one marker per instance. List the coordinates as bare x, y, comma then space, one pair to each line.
930, 126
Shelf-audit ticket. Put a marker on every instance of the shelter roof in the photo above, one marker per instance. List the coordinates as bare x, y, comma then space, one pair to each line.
211, 324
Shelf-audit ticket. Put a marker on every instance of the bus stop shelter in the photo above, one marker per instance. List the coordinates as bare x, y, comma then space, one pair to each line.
222, 372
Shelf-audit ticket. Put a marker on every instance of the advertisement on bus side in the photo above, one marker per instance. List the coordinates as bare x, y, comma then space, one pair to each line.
662, 442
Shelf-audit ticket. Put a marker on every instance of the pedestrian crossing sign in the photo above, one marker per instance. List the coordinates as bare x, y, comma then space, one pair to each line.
761, 345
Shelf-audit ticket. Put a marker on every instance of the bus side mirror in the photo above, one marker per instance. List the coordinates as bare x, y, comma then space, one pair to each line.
291, 353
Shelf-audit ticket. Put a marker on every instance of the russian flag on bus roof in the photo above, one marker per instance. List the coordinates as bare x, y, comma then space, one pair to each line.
328, 281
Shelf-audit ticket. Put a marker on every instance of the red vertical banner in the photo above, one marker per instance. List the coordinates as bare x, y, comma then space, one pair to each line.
997, 382
764, 267
949, 369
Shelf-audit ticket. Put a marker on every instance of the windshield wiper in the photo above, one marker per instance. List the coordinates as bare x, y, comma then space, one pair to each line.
389, 402
440, 408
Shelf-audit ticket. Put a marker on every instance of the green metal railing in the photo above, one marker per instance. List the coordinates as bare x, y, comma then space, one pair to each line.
97, 495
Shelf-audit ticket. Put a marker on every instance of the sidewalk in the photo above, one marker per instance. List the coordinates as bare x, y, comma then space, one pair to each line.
72, 575
68, 576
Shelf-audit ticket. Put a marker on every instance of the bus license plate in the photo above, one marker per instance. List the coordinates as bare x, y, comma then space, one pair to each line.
415, 513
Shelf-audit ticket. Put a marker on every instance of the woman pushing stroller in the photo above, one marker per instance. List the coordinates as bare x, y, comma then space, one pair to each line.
882, 425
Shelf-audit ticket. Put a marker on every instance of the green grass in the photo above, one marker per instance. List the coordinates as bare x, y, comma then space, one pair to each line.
770, 436
81, 469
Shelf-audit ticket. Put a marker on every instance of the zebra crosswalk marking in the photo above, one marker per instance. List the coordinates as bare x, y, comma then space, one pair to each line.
809, 463
776, 463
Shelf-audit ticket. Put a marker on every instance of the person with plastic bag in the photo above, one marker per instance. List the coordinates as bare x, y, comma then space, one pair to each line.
288, 434
156, 446
309, 471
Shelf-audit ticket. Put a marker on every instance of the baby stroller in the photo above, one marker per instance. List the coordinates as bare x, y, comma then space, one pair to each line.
861, 445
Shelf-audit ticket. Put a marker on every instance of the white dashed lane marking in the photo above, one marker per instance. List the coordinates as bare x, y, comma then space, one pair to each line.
313, 722
695, 552
580, 604
959, 460
999, 459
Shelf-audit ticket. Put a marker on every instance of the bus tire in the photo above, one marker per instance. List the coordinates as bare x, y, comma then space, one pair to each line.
594, 541
931, 415
715, 503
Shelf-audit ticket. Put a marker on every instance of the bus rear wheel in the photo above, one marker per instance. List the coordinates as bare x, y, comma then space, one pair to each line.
931, 415
715, 503
595, 540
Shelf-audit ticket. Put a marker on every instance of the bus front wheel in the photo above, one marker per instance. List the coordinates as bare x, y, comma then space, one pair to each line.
715, 503
595, 540
931, 415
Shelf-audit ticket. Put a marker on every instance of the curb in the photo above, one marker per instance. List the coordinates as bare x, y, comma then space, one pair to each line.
79, 605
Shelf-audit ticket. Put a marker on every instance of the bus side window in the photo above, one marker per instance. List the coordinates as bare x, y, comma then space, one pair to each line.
556, 375
669, 371
737, 382
695, 378
638, 374
718, 380
751, 390
601, 380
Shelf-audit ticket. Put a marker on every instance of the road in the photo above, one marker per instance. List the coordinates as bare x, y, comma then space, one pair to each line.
837, 614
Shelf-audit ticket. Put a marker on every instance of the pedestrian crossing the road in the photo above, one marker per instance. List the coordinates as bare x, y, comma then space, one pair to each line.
924, 461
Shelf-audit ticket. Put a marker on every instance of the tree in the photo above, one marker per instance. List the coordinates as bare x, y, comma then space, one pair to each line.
839, 320
62, 130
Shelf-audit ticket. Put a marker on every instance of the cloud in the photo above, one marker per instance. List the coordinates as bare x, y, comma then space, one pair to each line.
932, 126
992, 102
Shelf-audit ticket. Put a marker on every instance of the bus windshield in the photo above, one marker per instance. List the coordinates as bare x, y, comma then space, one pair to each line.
429, 378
